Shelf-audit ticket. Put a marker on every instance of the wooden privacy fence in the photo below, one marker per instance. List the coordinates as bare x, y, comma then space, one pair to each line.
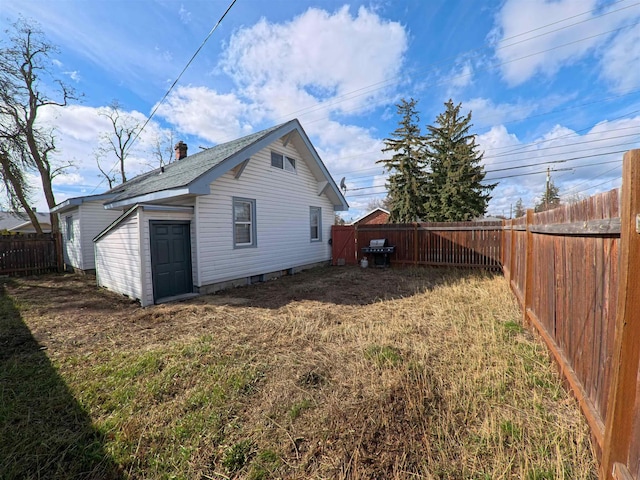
575, 271
29, 254
452, 244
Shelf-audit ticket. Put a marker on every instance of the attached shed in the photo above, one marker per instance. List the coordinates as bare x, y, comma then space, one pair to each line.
240, 212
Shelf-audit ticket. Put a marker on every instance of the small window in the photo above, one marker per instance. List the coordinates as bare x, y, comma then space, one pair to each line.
244, 224
283, 162
69, 227
315, 221
277, 160
290, 164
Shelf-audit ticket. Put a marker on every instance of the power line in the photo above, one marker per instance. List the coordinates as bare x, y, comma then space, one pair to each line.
526, 145
325, 105
519, 174
384, 83
155, 109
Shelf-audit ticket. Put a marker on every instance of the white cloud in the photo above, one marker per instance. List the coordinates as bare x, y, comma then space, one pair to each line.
593, 161
485, 112
459, 77
321, 54
74, 75
206, 113
526, 54
620, 60
77, 131
71, 178
184, 14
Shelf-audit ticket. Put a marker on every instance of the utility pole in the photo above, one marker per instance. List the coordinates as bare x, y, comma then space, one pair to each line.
546, 193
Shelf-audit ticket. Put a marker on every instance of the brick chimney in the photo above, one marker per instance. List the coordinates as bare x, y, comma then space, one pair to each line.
181, 150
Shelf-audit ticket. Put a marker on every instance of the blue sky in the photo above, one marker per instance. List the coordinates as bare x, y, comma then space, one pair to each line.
546, 81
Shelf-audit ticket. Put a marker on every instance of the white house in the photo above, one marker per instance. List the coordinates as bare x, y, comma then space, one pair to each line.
240, 212
81, 219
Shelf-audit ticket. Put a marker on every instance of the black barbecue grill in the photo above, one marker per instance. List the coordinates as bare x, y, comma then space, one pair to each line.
380, 250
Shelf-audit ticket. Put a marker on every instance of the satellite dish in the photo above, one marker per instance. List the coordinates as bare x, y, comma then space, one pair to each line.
343, 185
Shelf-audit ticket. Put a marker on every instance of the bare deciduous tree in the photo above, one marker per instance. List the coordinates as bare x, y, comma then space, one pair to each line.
162, 150
124, 129
25, 63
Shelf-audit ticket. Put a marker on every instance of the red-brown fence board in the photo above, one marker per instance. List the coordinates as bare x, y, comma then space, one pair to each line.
28, 254
455, 244
573, 291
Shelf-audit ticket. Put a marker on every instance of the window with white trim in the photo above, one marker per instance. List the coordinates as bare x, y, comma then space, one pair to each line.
278, 160
315, 222
69, 227
244, 222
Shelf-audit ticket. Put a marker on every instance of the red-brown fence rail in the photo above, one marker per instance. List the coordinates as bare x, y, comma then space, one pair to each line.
576, 272
29, 254
453, 244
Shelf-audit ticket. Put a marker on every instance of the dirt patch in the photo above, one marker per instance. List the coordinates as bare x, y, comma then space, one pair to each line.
74, 316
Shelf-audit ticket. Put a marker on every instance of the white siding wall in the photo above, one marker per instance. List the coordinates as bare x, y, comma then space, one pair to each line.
89, 219
147, 279
72, 250
93, 220
118, 258
282, 214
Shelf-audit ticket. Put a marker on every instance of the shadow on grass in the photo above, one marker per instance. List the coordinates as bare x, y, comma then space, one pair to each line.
44, 432
350, 285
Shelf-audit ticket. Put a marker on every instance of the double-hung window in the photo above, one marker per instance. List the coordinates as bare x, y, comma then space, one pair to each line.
315, 222
244, 222
278, 160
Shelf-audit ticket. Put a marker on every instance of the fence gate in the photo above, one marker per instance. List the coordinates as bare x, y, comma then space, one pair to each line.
344, 243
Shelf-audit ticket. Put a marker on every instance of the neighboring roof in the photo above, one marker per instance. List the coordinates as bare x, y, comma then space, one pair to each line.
194, 173
376, 211
75, 201
13, 221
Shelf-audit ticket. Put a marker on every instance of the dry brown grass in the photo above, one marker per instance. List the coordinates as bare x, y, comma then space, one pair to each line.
333, 373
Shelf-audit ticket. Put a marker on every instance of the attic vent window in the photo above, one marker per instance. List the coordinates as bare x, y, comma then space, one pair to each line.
283, 162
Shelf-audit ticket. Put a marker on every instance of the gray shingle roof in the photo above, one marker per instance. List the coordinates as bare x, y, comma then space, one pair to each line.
182, 172
10, 220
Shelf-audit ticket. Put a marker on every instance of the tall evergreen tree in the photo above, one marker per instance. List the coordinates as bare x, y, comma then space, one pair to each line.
406, 166
520, 211
550, 198
454, 189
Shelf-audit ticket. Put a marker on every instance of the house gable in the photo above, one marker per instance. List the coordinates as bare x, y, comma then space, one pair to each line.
194, 174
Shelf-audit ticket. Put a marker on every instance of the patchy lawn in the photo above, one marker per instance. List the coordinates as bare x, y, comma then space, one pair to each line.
332, 373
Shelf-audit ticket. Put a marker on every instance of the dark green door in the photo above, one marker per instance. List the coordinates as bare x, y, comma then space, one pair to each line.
170, 259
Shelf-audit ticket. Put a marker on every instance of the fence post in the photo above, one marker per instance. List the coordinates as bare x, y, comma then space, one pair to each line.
355, 239
415, 243
624, 374
502, 242
59, 255
527, 295
512, 260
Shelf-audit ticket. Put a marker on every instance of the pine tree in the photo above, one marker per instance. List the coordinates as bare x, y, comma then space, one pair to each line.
454, 189
550, 198
406, 166
519, 209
